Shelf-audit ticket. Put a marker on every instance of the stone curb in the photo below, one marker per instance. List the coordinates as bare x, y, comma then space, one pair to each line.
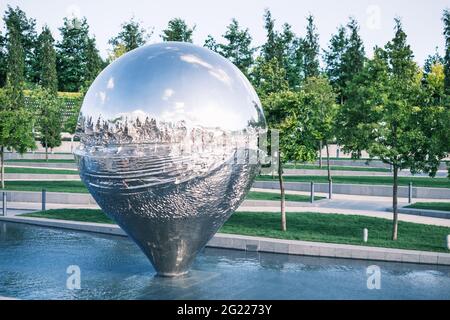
424, 212
260, 244
358, 189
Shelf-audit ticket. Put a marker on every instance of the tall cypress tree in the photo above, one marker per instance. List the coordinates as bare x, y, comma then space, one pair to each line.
16, 70
3, 60
333, 58
16, 125
354, 55
94, 63
310, 48
238, 48
285, 47
15, 18
71, 54
46, 59
269, 48
446, 20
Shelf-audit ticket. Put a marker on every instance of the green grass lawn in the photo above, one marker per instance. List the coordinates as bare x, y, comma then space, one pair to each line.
41, 160
254, 195
51, 186
403, 181
308, 226
443, 206
39, 170
343, 168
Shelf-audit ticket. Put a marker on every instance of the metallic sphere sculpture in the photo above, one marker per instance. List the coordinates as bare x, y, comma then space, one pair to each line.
169, 147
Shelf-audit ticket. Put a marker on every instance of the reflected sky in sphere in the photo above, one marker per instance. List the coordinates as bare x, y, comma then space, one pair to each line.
174, 81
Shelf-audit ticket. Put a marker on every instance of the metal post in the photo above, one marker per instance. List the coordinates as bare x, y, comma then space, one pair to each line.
410, 192
44, 196
312, 192
5, 205
330, 189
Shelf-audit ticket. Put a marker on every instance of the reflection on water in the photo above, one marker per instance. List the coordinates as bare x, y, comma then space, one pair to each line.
33, 263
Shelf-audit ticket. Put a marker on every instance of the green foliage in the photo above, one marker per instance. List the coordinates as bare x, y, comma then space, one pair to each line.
286, 48
320, 99
211, 43
46, 61
16, 19
3, 60
431, 60
70, 124
94, 63
15, 74
344, 58
238, 47
178, 30
287, 112
49, 117
77, 58
131, 36
333, 58
446, 20
268, 77
310, 49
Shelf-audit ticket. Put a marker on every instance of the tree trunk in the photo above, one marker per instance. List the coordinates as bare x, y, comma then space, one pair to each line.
320, 154
329, 171
46, 152
394, 204
282, 203
2, 171
71, 144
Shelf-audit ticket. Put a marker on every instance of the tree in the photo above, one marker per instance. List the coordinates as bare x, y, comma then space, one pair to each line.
286, 48
446, 20
178, 30
310, 49
333, 58
71, 54
94, 63
385, 115
269, 49
286, 112
46, 60
15, 70
238, 47
435, 80
131, 36
211, 43
432, 59
353, 57
16, 125
3, 60
49, 118
320, 99
268, 77
16, 19
344, 58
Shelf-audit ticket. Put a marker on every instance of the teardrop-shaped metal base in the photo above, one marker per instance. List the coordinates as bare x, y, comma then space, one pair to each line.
172, 222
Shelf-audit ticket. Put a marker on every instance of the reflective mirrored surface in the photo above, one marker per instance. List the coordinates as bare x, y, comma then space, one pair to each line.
169, 147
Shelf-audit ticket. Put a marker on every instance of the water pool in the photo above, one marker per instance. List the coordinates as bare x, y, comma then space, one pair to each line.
34, 262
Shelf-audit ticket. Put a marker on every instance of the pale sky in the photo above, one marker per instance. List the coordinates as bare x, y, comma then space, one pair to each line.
421, 18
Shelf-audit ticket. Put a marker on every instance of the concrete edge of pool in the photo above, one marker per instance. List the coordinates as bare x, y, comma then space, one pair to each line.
260, 244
